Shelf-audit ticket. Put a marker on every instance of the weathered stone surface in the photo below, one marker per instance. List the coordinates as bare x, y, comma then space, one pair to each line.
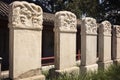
88, 44
105, 28
116, 43
88, 68
39, 77
69, 71
65, 40
104, 44
89, 26
25, 15
4, 74
65, 21
117, 30
25, 23
105, 65
30, 73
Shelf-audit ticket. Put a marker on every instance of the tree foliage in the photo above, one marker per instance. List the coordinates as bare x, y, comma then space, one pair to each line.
69, 5
79, 7
109, 10
89, 7
106, 10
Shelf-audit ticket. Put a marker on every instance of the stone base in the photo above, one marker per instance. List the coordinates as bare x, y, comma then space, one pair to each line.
68, 71
105, 65
39, 77
74, 70
116, 61
4, 74
89, 68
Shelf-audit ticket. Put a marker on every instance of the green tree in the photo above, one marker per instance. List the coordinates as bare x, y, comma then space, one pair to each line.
89, 7
109, 10
70, 5
79, 7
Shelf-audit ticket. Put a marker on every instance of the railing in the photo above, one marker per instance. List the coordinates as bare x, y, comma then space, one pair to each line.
50, 60
47, 61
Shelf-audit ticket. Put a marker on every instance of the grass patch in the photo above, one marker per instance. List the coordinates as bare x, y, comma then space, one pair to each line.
112, 73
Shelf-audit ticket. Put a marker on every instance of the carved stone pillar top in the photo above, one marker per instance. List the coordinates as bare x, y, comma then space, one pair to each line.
25, 15
105, 28
89, 26
116, 30
65, 21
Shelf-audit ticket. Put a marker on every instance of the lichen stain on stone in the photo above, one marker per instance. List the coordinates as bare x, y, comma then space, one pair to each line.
29, 73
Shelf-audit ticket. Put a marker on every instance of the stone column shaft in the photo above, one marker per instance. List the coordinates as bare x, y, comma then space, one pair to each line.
104, 44
65, 40
25, 24
116, 44
0, 66
88, 45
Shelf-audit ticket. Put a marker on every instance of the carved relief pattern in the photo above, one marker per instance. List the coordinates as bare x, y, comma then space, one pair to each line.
25, 15
117, 30
66, 21
107, 27
90, 24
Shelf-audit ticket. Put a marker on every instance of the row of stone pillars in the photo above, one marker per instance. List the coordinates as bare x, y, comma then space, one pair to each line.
25, 24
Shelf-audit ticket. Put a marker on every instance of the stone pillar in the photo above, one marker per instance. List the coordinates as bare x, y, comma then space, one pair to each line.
104, 44
25, 24
0, 66
116, 44
65, 41
88, 45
